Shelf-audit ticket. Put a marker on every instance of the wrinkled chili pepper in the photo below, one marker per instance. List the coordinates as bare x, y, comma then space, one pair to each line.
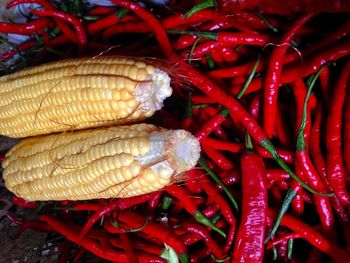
335, 169
249, 245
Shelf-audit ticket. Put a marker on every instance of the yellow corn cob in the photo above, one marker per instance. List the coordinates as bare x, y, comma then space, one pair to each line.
80, 93
109, 162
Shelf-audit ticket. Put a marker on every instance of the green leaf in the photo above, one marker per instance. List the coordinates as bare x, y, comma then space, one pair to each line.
169, 254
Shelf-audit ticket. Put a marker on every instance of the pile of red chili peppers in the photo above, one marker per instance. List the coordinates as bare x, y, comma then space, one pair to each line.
268, 96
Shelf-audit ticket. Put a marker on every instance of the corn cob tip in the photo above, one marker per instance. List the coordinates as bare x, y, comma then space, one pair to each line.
179, 148
183, 150
152, 94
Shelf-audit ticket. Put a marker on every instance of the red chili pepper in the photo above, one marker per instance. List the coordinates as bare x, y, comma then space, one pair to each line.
308, 233
201, 231
227, 39
26, 28
277, 175
273, 76
128, 248
198, 99
184, 197
315, 149
283, 238
347, 131
223, 145
92, 246
162, 233
335, 169
249, 245
218, 158
153, 22
290, 8
212, 124
113, 204
105, 22
75, 22
18, 201
303, 161
285, 155
226, 211
294, 72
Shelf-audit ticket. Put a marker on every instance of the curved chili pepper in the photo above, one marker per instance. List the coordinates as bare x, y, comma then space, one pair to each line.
316, 239
148, 17
310, 174
78, 26
249, 245
223, 145
182, 195
128, 247
26, 28
347, 131
225, 209
273, 75
315, 149
92, 246
113, 204
133, 220
202, 232
218, 158
335, 169
294, 72
212, 124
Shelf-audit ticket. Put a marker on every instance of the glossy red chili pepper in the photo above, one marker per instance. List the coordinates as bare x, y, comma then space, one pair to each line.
325, 84
153, 22
26, 28
294, 72
303, 161
75, 22
335, 169
227, 39
287, 9
218, 158
249, 245
223, 145
277, 174
201, 231
315, 148
93, 246
154, 200
273, 76
285, 155
184, 197
225, 209
162, 233
192, 180
283, 238
308, 233
18, 201
347, 131
112, 205
212, 124
105, 22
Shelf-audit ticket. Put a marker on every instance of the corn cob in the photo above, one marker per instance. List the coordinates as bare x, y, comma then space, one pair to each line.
109, 162
80, 93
